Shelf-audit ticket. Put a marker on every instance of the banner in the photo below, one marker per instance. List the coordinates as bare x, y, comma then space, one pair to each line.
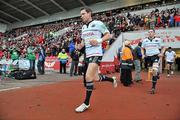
52, 63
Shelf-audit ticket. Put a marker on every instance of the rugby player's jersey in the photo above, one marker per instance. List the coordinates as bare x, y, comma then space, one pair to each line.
94, 30
170, 56
152, 46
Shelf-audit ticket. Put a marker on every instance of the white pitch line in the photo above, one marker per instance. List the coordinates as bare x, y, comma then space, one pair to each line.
9, 89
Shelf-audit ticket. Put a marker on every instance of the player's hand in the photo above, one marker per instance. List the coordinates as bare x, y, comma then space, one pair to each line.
160, 55
143, 56
93, 42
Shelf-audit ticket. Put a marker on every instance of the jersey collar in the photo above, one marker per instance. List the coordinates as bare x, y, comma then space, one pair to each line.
87, 24
151, 38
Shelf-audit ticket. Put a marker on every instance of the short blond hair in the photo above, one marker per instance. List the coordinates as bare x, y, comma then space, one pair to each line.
127, 42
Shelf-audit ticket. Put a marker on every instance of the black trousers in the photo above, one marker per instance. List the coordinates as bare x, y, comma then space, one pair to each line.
32, 65
74, 64
40, 67
62, 66
126, 77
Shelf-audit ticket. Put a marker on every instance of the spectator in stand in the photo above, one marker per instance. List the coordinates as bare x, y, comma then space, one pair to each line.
171, 20
177, 18
1, 53
117, 21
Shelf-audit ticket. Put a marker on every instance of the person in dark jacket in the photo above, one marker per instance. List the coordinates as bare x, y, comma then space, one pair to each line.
75, 60
137, 62
41, 59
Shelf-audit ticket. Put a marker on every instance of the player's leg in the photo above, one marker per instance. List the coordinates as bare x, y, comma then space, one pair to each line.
168, 69
91, 71
171, 68
155, 77
101, 78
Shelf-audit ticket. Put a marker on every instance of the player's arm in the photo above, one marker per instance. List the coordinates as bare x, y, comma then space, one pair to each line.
165, 55
79, 46
163, 49
174, 56
143, 49
106, 36
104, 31
95, 42
143, 52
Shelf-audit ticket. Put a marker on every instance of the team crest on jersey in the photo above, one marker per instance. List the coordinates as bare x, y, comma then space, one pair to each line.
156, 40
93, 25
84, 27
90, 59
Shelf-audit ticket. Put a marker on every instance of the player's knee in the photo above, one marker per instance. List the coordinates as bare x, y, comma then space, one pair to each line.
96, 79
89, 78
154, 71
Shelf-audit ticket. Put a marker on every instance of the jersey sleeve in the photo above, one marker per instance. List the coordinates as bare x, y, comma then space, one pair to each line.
166, 53
143, 44
103, 28
174, 53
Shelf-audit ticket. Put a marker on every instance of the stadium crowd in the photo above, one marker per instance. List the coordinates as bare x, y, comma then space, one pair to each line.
117, 21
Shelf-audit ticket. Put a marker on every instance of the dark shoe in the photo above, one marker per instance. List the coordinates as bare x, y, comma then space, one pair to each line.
152, 91
138, 80
158, 77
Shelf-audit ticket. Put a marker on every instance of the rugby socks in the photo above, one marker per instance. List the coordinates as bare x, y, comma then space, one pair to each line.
154, 81
105, 78
89, 89
168, 71
170, 68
